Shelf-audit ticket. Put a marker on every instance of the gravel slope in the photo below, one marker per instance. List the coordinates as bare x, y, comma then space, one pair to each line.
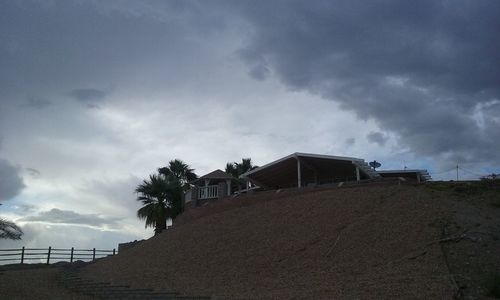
362, 242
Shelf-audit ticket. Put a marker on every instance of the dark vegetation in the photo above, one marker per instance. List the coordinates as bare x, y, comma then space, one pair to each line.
162, 194
9, 230
486, 188
236, 169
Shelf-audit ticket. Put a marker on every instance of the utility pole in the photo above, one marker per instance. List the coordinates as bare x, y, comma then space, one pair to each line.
457, 172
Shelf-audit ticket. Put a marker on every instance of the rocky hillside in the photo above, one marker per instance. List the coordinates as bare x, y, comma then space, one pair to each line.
371, 241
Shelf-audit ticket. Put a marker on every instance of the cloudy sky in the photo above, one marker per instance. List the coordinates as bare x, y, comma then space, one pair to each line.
96, 95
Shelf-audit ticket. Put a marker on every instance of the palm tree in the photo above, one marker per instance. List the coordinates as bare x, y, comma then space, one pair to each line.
9, 230
158, 196
232, 169
180, 170
245, 166
236, 169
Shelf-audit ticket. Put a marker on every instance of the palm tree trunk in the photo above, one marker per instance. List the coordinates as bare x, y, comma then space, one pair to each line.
160, 226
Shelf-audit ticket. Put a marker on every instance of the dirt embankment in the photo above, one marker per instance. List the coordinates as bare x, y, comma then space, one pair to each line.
471, 236
364, 242
41, 282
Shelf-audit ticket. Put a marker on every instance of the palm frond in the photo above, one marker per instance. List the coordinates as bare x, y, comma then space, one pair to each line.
232, 169
179, 170
9, 230
236, 169
161, 197
147, 213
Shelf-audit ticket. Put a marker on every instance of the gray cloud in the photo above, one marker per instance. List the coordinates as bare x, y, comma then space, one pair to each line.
11, 183
88, 97
36, 235
33, 172
24, 208
58, 216
407, 65
259, 72
350, 141
95, 45
38, 103
418, 68
377, 138
114, 195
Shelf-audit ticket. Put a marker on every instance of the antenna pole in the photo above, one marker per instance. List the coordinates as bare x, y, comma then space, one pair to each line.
457, 172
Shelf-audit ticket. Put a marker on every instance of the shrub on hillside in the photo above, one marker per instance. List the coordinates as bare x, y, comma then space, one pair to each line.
491, 181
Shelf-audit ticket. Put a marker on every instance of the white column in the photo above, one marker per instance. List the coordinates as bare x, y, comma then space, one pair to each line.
299, 179
358, 178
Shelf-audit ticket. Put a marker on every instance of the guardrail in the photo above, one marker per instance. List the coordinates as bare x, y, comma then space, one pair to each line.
50, 254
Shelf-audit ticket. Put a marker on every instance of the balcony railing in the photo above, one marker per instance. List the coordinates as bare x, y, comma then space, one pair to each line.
208, 192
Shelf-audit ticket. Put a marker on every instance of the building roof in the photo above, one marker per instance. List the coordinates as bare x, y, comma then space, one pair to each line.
299, 154
217, 174
424, 175
314, 167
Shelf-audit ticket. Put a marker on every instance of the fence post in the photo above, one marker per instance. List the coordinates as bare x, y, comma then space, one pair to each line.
72, 250
22, 256
48, 255
93, 255
114, 251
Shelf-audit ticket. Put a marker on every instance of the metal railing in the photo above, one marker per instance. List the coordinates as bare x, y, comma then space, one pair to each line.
208, 192
50, 254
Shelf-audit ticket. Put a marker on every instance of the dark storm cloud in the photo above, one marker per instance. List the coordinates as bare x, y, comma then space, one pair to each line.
424, 70
11, 183
48, 47
259, 72
89, 97
377, 138
58, 216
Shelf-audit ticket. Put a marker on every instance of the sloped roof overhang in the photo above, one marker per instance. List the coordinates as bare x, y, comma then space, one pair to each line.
216, 175
283, 172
